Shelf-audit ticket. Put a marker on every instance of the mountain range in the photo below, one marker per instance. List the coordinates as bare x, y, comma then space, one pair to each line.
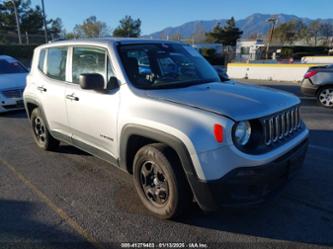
253, 24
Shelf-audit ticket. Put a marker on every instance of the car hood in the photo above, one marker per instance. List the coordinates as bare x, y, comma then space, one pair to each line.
235, 100
9, 81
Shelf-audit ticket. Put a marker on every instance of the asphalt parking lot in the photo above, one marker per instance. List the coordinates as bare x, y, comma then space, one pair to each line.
69, 199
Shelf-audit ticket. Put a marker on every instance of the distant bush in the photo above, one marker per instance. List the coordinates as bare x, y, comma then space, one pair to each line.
297, 52
215, 60
207, 52
286, 52
211, 56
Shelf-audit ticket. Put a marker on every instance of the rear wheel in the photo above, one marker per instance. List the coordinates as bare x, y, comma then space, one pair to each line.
325, 97
41, 134
160, 181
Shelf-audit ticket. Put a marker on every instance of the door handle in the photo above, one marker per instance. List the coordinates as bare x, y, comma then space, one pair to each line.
72, 97
42, 89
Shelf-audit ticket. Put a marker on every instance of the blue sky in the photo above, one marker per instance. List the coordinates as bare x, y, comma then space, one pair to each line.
158, 14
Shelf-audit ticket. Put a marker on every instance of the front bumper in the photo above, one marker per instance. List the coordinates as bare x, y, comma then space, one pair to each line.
308, 89
11, 104
246, 186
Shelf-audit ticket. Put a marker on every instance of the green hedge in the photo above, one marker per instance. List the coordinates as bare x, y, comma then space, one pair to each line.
215, 60
18, 51
297, 52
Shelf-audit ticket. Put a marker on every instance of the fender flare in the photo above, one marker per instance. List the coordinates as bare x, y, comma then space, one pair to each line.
28, 100
175, 143
200, 191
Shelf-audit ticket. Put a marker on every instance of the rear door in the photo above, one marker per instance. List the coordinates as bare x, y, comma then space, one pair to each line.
92, 114
51, 85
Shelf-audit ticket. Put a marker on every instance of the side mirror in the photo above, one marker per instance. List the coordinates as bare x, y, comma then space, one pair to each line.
92, 81
113, 83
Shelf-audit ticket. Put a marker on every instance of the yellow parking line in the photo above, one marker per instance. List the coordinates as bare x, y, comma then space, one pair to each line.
63, 215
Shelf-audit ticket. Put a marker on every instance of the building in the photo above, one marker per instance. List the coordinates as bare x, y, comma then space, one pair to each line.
249, 50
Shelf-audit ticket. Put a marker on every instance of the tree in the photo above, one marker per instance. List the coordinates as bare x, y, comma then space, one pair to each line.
7, 15
91, 28
71, 35
227, 35
314, 30
289, 32
326, 30
56, 27
163, 35
128, 27
176, 37
31, 19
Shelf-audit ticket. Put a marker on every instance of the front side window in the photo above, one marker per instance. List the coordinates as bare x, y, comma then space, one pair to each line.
160, 65
88, 60
11, 67
56, 63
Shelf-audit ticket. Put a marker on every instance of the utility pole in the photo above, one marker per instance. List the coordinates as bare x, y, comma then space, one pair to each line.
44, 21
272, 20
17, 23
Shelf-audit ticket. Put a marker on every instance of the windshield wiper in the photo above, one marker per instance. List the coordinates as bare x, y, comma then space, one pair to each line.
180, 84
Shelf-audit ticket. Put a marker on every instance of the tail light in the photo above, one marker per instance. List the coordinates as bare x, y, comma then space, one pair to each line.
309, 74
218, 133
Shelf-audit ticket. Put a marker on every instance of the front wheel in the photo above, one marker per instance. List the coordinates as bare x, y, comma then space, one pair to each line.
160, 181
325, 97
41, 134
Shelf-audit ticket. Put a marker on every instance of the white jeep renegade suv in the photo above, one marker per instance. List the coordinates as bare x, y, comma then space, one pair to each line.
158, 110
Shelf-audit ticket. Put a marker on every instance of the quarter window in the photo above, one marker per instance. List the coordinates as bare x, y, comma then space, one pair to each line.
56, 63
88, 60
41, 60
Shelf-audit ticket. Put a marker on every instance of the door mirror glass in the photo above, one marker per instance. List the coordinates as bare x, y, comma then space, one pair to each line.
92, 81
113, 83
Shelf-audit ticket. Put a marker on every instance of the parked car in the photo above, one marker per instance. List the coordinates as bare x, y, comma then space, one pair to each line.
318, 82
181, 133
12, 83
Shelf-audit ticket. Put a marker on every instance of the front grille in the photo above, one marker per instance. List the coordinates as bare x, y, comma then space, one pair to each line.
282, 125
13, 93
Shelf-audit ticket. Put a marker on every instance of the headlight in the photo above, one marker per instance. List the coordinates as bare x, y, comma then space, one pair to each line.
242, 133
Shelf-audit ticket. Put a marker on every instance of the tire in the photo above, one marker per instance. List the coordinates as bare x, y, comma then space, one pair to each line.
325, 96
41, 134
160, 181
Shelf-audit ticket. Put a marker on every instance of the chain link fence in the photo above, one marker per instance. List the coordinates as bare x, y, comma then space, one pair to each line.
11, 38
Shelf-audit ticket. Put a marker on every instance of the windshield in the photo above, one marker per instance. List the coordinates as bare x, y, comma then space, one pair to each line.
7, 67
165, 65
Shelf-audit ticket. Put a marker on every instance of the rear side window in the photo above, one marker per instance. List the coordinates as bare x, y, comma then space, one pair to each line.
56, 63
41, 60
88, 60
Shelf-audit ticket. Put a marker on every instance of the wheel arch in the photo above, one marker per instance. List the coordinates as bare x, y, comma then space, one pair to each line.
30, 104
326, 85
136, 136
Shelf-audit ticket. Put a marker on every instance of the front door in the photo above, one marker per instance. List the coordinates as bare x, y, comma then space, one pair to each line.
92, 114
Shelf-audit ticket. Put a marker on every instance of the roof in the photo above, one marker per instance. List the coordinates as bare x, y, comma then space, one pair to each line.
105, 41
